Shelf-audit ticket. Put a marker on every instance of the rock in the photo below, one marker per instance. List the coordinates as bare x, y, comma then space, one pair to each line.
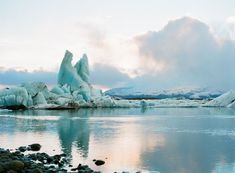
2, 169
16, 165
37, 170
99, 162
11, 171
35, 147
16, 162
74, 169
49, 159
22, 149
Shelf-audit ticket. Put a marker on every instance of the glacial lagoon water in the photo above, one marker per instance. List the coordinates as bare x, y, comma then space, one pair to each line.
165, 140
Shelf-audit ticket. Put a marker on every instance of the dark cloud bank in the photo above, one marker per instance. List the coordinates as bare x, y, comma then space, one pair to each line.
191, 54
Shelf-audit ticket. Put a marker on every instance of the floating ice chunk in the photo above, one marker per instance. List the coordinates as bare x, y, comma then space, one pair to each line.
143, 104
77, 96
17, 96
39, 99
96, 92
232, 105
57, 90
125, 104
62, 101
105, 101
227, 99
34, 88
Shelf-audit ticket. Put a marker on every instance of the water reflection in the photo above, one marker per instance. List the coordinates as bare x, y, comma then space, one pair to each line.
70, 131
165, 140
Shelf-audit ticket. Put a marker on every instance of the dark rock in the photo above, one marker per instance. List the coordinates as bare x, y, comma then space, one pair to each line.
49, 159
16, 165
35, 147
22, 149
37, 170
16, 162
63, 155
99, 162
2, 169
11, 171
74, 169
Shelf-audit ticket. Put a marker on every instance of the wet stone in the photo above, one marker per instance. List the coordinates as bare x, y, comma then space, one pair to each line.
16, 165
99, 162
22, 149
35, 147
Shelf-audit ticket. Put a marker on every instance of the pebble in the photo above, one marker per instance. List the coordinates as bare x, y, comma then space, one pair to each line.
22, 149
99, 162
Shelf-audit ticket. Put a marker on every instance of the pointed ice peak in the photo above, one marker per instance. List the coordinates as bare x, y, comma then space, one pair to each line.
84, 56
68, 56
82, 67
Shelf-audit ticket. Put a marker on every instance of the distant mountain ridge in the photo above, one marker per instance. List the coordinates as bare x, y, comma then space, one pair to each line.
176, 93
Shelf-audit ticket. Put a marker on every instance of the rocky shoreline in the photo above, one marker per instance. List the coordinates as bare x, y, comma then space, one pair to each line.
36, 162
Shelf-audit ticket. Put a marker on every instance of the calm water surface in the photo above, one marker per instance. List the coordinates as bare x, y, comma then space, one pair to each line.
165, 140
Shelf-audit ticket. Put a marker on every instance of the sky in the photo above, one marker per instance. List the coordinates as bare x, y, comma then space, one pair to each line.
152, 43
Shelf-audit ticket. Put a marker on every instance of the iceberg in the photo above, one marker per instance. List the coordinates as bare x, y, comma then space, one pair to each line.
16, 97
73, 90
225, 100
175, 93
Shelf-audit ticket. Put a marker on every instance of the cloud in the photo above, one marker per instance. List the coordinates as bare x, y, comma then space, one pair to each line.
189, 53
13, 77
184, 53
92, 34
109, 76
230, 19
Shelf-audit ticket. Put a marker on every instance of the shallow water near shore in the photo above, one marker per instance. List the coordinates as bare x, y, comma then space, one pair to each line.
165, 140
